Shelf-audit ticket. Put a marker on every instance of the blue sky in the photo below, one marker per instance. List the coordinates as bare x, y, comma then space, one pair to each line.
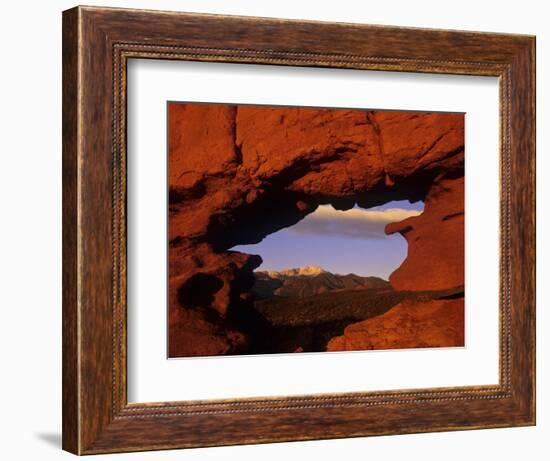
339, 241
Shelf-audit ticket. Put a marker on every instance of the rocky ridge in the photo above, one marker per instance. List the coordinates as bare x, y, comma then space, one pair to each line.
308, 281
307, 271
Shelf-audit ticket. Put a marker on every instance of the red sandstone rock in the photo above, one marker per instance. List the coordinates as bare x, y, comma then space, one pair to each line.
203, 142
435, 259
237, 174
411, 142
410, 324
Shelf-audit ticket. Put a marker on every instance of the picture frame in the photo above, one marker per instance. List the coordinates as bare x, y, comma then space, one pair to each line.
97, 44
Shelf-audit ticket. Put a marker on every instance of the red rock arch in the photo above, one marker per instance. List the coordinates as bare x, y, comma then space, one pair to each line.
239, 173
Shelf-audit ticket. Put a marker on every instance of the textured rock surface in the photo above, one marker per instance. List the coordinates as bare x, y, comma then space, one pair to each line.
435, 259
237, 174
436, 323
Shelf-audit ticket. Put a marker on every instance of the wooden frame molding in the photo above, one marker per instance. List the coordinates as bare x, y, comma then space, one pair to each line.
97, 43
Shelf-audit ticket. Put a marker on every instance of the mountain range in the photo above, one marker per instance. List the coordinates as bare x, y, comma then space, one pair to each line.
302, 282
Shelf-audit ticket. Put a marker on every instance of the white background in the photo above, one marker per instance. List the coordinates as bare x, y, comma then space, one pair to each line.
153, 378
30, 245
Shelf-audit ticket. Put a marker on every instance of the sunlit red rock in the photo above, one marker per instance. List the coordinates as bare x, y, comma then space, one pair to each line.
435, 259
239, 173
410, 324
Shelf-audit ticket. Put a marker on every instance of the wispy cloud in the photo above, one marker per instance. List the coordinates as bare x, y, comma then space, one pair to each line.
354, 223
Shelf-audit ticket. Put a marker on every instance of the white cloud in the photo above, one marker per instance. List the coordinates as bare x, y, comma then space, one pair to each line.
354, 223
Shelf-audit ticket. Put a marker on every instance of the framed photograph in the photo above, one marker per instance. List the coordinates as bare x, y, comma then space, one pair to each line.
281, 230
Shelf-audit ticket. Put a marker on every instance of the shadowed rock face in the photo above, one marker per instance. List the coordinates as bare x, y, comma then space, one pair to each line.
237, 174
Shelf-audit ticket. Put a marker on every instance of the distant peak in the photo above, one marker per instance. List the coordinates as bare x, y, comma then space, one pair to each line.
310, 270
304, 270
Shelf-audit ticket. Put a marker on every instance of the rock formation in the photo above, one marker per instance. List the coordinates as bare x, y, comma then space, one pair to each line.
239, 173
435, 259
436, 323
